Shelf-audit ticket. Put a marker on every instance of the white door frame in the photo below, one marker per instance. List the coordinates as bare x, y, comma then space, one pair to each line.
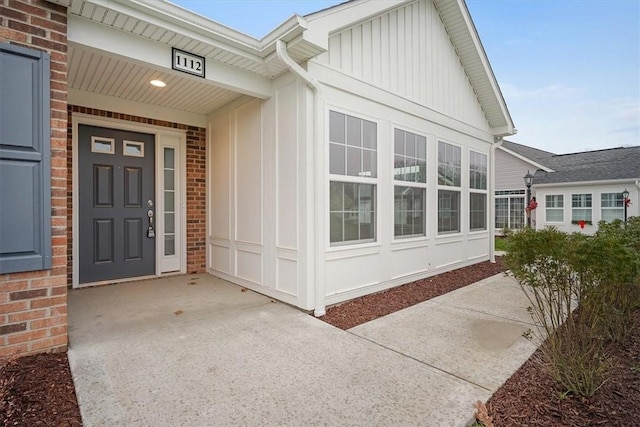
164, 137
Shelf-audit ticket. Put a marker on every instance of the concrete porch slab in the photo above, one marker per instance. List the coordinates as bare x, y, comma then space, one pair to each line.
236, 358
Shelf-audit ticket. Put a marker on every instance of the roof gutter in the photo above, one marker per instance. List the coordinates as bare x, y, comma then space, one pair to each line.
316, 247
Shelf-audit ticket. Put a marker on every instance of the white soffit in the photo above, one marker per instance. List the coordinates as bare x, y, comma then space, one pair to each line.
104, 37
95, 72
465, 39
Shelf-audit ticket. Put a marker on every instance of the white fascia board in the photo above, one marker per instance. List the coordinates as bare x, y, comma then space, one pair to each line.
631, 181
145, 51
184, 22
285, 31
484, 60
293, 31
197, 27
525, 159
503, 131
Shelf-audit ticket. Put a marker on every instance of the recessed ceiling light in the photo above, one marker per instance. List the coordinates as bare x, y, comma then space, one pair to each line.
158, 83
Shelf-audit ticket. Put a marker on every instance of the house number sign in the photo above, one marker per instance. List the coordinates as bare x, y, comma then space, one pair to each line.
187, 62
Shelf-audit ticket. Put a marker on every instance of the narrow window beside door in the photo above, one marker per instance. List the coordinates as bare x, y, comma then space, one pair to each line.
169, 202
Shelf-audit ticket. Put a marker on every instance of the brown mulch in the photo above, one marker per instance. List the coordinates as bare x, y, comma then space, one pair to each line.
364, 309
38, 391
530, 397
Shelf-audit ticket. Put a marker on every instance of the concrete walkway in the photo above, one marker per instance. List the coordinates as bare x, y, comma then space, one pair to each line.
198, 351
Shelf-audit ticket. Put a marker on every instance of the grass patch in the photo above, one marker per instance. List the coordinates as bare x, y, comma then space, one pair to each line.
501, 243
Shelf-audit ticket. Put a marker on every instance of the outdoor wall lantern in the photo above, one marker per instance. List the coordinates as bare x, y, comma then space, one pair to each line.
528, 181
625, 201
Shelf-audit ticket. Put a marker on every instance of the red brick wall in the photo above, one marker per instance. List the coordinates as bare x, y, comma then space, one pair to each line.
33, 305
196, 184
196, 200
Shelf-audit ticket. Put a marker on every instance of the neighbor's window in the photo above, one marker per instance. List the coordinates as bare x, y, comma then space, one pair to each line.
612, 206
353, 178
580, 207
477, 191
509, 209
554, 208
449, 182
410, 167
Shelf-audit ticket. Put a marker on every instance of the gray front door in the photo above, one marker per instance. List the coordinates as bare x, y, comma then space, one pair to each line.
116, 198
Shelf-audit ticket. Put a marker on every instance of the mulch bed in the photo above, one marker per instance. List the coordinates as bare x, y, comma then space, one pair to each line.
38, 390
530, 397
369, 307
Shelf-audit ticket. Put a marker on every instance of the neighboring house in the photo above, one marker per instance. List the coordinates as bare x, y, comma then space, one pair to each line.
513, 162
345, 152
574, 191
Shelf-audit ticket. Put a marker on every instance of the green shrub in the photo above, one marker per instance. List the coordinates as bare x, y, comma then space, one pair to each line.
555, 270
583, 292
617, 249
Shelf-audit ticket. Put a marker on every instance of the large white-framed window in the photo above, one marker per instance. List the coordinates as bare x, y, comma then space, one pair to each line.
477, 191
581, 208
509, 209
353, 174
410, 183
449, 187
554, 208
612, 206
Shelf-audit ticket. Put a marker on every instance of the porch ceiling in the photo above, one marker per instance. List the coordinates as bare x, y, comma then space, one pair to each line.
112, 46
97, 73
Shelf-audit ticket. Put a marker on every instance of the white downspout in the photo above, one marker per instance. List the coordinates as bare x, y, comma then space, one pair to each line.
492, 195
314, 85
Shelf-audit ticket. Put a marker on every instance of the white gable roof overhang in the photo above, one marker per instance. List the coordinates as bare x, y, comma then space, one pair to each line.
117, 46
463, 35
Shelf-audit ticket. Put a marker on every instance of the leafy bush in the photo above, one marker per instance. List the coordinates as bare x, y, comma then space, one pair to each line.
618, 252
555, 273
583, 292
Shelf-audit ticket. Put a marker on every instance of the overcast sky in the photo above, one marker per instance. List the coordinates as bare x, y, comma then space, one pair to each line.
568, 69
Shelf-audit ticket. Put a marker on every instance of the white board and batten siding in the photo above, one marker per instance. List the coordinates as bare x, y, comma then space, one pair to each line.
407, 51
269, 177
254, 207
352, 270
396, 69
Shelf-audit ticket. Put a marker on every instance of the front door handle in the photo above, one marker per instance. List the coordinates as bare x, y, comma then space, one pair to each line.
150, 232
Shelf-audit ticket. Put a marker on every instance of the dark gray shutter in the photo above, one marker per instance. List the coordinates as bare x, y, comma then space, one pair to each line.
25, 160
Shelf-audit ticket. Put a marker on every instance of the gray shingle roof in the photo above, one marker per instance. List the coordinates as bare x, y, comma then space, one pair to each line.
530, 153
599, 165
